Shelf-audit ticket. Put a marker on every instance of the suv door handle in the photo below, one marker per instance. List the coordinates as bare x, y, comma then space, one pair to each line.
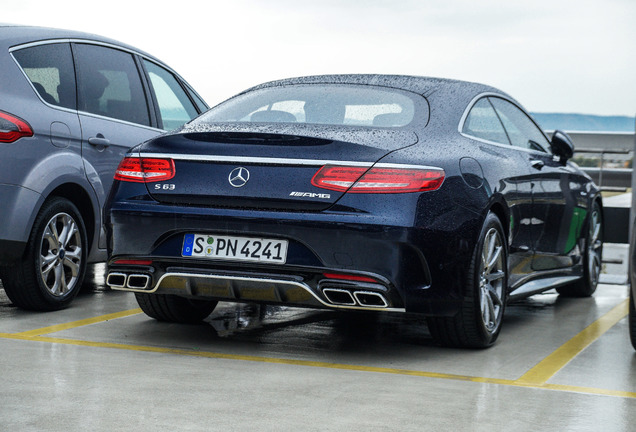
537, 164
99, 140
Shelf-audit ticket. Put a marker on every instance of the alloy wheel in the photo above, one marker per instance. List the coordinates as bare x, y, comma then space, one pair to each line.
60, 254
594, 246
491, 280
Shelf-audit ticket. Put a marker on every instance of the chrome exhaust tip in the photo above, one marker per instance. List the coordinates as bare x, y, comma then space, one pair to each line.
138, 281
339, 296
116, 280
370, 299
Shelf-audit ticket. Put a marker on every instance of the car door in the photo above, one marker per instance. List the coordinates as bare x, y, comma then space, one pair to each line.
483, 123
554, 192
113, 109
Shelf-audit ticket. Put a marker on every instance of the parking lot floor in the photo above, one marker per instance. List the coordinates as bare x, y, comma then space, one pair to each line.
560, 364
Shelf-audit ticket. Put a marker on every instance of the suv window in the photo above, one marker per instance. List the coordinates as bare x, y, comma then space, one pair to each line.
109, 84
482, 122
50, 70
175, 107
521, 130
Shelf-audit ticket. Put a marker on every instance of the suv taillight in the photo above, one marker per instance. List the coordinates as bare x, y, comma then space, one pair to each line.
378, 180
13, 128
145, 170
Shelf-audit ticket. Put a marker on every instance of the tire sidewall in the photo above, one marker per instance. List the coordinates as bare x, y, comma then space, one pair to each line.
632, 319
590, 286
51, 208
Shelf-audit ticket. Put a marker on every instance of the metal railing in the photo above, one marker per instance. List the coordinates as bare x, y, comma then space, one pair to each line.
609, 178
617, 144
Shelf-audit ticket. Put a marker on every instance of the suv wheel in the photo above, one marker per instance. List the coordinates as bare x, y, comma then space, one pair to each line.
51, 273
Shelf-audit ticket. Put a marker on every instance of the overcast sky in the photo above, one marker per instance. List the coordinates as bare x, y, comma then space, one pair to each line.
551, 55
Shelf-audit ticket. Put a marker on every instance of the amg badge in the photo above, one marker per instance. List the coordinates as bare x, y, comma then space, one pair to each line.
310, 195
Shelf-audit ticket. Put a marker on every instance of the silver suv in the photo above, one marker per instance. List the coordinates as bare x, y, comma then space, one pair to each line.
71, 105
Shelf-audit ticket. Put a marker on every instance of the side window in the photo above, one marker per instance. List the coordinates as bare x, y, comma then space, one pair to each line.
521, 130
50, 70
109, 84
482, 122
175, 107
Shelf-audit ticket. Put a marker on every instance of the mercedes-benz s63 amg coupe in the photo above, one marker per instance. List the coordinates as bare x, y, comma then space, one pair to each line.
369, 192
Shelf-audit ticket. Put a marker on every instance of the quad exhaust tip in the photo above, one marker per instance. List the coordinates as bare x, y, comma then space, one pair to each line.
116, 280
370, 299
339, 296
366, 299
133, 281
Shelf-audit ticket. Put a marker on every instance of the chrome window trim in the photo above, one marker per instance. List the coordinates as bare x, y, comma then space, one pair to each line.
99, 43
93, 42
469, 107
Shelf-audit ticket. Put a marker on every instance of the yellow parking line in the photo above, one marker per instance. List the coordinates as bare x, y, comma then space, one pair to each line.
318, 364
536, 377
553, 363
80, 323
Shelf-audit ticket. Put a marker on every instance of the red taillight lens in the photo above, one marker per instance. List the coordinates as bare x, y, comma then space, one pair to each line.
145, 170
13, 128
348, 277
133, 262
378, 180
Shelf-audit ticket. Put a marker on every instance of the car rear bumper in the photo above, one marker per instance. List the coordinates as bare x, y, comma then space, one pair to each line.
335, 260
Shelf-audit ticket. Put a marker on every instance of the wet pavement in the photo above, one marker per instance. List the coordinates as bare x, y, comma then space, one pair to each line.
102, 365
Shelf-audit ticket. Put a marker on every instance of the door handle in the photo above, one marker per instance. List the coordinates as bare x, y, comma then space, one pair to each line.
537, 164
99, 140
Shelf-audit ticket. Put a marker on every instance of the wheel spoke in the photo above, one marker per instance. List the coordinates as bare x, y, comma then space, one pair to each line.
63, 284
494, 296
495, 276
490, 307
72, 265
493, 258
485, 309
69, 230
58, 277
50, 235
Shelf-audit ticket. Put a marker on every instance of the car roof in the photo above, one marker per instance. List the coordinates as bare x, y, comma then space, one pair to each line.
14, 34
426, 86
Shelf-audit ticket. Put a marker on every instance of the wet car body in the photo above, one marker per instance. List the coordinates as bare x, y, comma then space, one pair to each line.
353, 249
71, 105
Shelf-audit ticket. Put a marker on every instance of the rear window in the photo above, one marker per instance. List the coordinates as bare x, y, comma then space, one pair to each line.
318, 104
50, 70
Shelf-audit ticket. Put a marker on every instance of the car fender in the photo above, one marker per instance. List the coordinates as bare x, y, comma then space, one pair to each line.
52, 173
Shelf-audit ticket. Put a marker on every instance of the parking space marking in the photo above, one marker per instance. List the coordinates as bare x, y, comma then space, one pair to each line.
549, 366
535, 378
323, 365
79, 323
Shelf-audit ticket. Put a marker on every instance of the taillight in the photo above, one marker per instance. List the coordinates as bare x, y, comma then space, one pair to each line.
13, 128
145, 170
132, 262
348, 277
378, 180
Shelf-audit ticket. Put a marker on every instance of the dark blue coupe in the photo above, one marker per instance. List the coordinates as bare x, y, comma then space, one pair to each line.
368, 192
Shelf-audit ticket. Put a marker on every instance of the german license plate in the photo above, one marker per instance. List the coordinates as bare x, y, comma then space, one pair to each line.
235, 248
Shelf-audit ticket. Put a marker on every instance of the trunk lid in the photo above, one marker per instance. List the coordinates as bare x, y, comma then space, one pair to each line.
263, 167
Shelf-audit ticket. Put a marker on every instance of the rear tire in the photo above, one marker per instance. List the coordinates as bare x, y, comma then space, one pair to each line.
592, 258
632, 319
478, 323
52, 270
171, 308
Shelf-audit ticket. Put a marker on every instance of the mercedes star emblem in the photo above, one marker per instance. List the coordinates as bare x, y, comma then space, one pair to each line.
238, 177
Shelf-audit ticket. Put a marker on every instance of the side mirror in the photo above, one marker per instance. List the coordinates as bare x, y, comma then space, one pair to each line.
562, 145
